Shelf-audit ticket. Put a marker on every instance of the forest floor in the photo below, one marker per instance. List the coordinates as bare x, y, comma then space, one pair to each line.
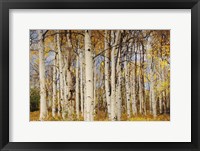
34, 116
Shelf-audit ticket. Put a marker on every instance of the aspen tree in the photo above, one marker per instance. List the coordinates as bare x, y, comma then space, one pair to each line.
89, 76
107, 62
43, 103
77, 86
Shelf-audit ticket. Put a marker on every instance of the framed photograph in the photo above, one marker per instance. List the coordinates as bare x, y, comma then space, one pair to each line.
101, 75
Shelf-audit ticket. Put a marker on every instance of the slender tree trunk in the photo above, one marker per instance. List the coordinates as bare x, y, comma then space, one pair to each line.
113, 97
81, 82
160, 94
77, 87
152, 84
58, 86
61, 75
119, 102
54, 87
64, 87
127, 87
134, 106
89, 76
107, 62
43, 103
94, 88
140, 92
163, 92
85, 91
143, 84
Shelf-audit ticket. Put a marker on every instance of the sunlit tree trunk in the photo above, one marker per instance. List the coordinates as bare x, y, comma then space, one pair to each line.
69, 83
60, 74
43, 103
89, 76
81, 82
152, 90
119, 102
134, 107
64, 88
113, 101
140, 76
160, 92
69, 93
107, 62
58, 86
163, 92
54, 87
127, 87
94, 88
140, 91
84, 90
77, 87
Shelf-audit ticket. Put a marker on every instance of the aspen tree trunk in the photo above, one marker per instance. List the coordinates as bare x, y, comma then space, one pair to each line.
135, 80
163, 93
94, 88
119, 102
81, 82
127, 88
84, 81
140, 91
77, 88
152, 84
61, 75
160, 94
69, 78
141, 94
58, 86
54, 87
149, 62
69, 94
107, 62
134, 107
89, 76
113, 103
112, 80
143, 85
43, 103
64, 87
150, 101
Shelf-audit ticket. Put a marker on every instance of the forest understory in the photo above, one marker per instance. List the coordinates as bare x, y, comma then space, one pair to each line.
101, 116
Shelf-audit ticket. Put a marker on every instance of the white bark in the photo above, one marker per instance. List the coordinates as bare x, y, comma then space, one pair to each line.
77, 87
84, 90
61, 75
69, 93
94, 88
152, 84
163, 93
113, 103
64, 87
134, 107
89, 76
107, 62
69, 84
58, 86
54, 87
119, 102
81, 83
140, 91
160, 81
43, 103
127, 87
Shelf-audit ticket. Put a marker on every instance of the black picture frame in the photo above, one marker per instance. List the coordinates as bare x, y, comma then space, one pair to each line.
5, 5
